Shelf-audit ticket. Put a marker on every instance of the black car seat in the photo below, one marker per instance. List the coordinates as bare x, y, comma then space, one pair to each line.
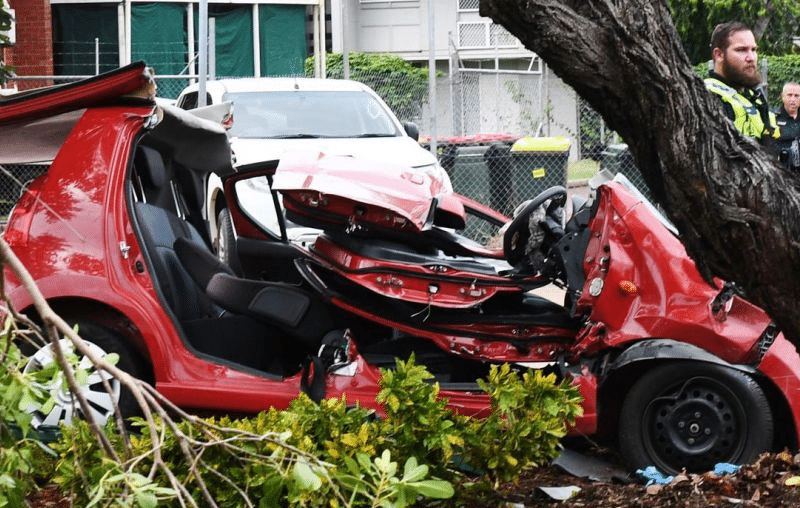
253, 338
293, 309
153, 174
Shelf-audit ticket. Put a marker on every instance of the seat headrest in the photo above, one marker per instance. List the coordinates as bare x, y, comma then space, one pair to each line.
150, 166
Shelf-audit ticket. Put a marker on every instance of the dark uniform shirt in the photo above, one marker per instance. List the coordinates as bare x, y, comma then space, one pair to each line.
789, 141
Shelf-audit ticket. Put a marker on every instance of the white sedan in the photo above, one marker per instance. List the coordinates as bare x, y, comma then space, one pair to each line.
275, 116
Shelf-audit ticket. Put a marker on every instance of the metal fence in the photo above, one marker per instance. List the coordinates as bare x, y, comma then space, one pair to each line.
604, 147
13, 179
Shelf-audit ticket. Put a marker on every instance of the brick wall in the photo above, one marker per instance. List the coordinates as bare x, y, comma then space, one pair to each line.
33, 53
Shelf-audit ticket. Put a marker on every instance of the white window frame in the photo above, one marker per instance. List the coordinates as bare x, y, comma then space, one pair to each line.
487, 25
465, 9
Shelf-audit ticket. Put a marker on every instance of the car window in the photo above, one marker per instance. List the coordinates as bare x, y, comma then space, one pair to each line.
255, 200
294, 114
189, 101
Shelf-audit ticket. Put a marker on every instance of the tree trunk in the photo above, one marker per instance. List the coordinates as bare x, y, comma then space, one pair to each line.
737, 209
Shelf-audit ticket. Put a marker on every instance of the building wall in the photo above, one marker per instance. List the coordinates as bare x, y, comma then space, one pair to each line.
33, 53
401, 27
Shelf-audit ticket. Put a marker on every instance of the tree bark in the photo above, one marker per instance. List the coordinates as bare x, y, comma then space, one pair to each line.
737, 209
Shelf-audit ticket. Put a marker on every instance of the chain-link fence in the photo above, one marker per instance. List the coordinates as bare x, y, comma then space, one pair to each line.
13, 179
599, 144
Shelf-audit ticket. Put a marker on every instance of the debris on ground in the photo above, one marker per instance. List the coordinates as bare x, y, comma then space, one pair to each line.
772, 481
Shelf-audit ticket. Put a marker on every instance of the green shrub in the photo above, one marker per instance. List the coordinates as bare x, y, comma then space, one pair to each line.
22, 459
327, 454
417, 420
781, 69
526, 424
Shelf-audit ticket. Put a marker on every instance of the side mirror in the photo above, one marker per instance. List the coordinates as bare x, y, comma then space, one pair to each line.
412, 130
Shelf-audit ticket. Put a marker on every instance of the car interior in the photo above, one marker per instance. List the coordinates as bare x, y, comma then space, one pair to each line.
264, 325
270, 328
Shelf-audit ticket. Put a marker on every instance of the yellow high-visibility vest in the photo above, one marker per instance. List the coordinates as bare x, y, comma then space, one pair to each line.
747, 118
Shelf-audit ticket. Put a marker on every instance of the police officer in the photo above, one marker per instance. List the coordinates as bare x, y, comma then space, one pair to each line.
788, 119
735, 79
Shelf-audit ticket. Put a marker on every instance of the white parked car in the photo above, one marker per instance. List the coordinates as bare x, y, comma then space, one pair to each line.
275, 116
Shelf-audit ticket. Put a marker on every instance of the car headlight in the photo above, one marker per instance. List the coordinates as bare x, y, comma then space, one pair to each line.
437, 172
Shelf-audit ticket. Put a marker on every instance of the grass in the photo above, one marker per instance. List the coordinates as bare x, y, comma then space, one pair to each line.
582, 169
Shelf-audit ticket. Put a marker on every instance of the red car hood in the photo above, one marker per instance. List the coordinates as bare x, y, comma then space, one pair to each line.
363, 190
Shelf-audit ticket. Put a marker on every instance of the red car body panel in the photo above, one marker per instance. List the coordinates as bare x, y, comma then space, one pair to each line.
654, 289
72, 96
393, 197
68, 229
412, 282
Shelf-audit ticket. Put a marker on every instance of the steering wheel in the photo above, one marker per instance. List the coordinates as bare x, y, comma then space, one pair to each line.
517, 234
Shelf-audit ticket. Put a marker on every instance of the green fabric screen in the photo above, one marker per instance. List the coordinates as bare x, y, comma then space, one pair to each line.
75, 27
159, 37
234, 34
283, 39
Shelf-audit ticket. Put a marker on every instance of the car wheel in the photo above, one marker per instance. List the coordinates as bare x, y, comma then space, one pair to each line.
101, 342
226, 240
693, 415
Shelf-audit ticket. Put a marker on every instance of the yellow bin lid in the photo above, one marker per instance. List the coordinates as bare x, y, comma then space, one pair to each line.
543, 144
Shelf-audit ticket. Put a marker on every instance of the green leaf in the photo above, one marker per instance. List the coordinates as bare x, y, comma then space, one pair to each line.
146, 499
436, 489
413, 472
352, 466
385, 465
363, 461
98, 495
305, 477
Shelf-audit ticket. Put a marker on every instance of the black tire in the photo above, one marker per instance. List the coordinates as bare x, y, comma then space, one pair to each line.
693, 415
226, 241
104, 342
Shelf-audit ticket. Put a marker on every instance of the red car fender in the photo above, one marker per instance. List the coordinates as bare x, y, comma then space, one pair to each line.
781, 365
642, 284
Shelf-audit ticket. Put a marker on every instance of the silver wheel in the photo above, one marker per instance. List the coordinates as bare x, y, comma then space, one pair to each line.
66, 405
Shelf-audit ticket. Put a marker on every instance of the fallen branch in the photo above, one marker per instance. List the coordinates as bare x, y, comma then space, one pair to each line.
152, 404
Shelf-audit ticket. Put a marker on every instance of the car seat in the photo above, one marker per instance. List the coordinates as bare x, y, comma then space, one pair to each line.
291, 308
254, 337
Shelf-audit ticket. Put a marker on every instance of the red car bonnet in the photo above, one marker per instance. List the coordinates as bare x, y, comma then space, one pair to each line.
387, 195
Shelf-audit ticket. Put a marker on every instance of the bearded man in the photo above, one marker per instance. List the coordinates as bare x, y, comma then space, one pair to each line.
735, 79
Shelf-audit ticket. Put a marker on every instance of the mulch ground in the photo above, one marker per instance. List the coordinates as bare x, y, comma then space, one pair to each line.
772, 481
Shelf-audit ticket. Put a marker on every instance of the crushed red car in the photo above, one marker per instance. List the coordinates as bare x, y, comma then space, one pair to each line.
677, 373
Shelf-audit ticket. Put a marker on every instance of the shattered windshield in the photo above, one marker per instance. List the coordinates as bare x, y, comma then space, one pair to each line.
303, 114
